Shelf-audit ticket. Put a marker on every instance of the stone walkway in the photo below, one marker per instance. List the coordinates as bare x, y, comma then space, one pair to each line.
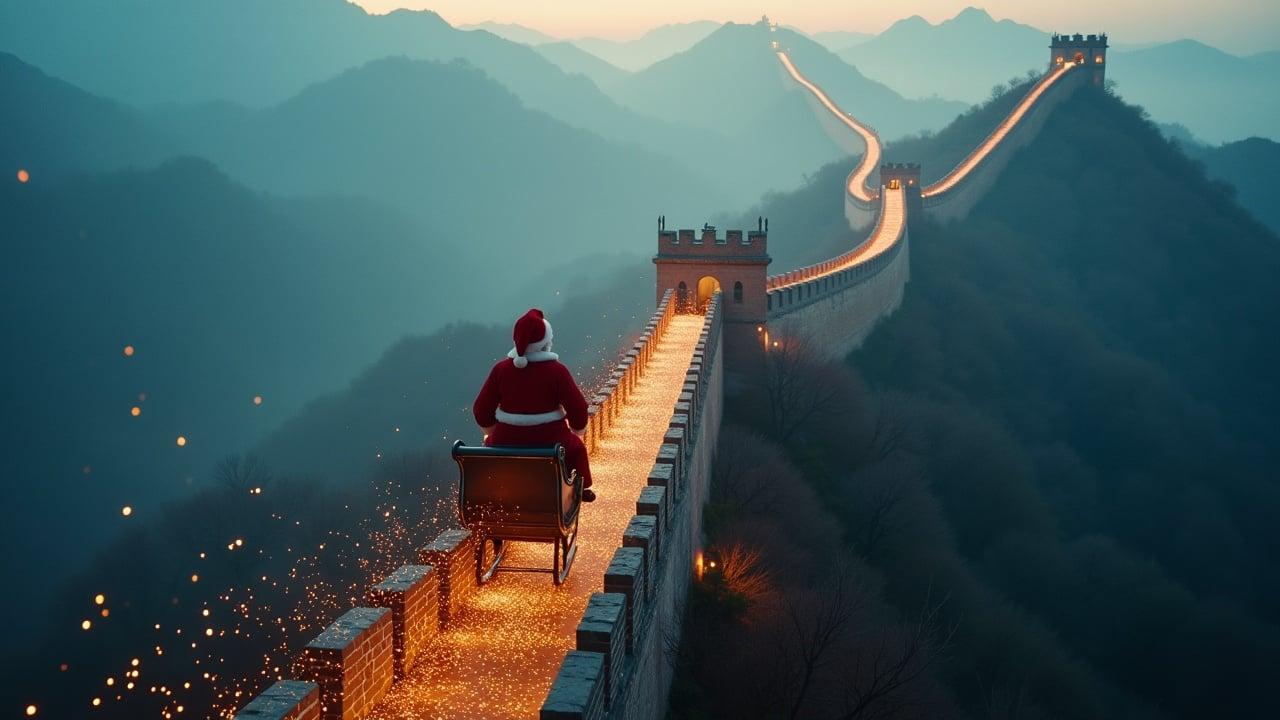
499, 658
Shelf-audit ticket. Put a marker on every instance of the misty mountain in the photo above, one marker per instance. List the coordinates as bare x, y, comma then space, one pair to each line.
1218, 96
52, 129
224, 294
959, 59
1064, 440
458, 151
1251, 167
513, 32
838, 40
657, 44
154, 51
574, 60
732, 83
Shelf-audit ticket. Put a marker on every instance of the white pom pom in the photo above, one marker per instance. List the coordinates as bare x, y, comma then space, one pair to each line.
520, 361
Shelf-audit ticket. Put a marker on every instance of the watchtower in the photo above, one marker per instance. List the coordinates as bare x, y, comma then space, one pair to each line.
1087, 51
907, 177
697, 264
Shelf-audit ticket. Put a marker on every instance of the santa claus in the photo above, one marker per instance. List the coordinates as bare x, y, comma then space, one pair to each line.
530, 399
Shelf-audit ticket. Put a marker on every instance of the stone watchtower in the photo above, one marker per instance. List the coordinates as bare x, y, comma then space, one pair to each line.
907, 177
697, 264
1087, 51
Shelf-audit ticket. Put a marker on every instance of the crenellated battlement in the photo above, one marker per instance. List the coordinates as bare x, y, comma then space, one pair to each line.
706, 242
1086, 51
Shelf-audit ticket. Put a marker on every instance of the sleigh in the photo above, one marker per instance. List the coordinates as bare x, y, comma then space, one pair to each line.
518, 495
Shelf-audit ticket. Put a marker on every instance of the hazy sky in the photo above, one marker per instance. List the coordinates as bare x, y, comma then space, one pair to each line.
1237, 25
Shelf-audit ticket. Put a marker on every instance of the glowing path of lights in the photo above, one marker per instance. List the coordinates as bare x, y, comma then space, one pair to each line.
857, 184
499, 658
959, 172
892, 215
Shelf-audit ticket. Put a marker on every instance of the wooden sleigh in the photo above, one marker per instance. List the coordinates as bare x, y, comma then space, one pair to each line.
518, 495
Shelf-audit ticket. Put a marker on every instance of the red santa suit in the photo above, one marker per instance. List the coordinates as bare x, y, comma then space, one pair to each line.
530, 399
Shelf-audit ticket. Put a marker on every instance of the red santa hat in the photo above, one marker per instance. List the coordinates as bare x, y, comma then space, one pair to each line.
532, 334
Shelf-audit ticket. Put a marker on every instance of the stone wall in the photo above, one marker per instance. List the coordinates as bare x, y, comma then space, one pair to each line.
957, 202
352, 664
621, 669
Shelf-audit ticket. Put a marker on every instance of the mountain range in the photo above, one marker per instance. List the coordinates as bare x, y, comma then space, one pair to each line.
1219, 96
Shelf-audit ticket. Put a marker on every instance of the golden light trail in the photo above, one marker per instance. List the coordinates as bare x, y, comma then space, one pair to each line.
980, 153
887, 232
499, 658
857, 182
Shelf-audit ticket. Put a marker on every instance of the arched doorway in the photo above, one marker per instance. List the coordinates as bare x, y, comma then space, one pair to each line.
707, 287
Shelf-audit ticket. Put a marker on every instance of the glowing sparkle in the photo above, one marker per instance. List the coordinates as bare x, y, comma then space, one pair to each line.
135, 411
257, 399
86, 624
99, 599
182, 441
31, 709
128, 351
126, 510
23, 177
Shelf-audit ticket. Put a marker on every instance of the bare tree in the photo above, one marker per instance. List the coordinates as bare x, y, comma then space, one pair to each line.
881, 680
798, 388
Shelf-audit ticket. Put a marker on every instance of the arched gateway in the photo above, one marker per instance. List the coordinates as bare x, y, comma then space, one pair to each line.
702, 264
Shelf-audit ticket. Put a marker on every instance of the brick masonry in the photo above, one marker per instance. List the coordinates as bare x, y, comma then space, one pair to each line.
352, 662
625, 575
413, 596
578, 690
285, 700
603, 630
453, 556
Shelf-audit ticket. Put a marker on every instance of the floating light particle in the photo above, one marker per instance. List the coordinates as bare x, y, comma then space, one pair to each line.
86, 624
106, 612
97, 702
239, 542
182, 441
195, 578
99, 599
126, 511
257, 399
134, 662
135, 411
128, 351
208, 632
23, 177
32, 710
111, 681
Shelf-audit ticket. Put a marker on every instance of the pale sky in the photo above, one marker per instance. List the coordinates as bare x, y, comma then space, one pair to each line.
1241, 26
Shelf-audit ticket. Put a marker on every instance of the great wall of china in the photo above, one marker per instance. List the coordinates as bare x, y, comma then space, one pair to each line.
432, 644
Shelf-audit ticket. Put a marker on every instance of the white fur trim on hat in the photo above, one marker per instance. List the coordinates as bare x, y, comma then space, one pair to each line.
536, 352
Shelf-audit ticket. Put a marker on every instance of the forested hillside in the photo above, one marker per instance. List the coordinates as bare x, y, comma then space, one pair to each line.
1044, 486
